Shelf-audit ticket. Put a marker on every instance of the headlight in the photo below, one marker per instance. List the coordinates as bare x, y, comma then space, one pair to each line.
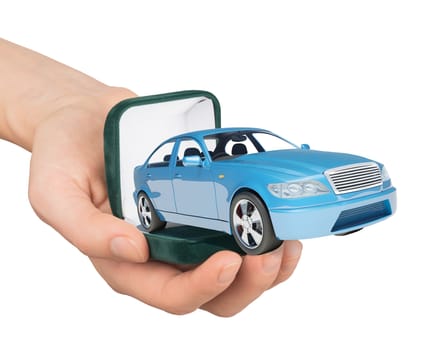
297, 189
385, 174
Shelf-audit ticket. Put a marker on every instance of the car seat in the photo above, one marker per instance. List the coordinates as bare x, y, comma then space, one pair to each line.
239, 149
192, 151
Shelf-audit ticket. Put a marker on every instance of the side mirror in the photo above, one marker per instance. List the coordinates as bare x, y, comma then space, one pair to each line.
192, 161
305, 146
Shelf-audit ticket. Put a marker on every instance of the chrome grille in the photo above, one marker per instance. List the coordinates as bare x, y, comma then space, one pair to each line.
354, 177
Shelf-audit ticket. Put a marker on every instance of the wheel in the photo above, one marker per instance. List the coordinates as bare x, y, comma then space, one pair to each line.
251, 225
149, 219
348, 233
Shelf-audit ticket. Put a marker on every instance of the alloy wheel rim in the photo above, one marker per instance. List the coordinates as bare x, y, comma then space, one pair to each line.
248, 223
145, 212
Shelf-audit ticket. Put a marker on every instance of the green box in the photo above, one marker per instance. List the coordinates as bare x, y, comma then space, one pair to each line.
133, 128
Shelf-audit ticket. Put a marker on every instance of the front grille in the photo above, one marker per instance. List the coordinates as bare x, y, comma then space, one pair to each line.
362, 215
354, 177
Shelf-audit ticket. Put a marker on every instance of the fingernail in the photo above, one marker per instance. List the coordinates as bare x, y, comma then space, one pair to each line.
272, 261
228, 273
125, 248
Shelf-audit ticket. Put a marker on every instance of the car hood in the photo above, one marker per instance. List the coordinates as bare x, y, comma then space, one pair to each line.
298, 162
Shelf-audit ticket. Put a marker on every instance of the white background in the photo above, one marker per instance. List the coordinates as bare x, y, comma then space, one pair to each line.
339, 75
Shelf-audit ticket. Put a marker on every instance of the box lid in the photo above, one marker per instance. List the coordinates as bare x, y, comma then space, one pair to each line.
136, 126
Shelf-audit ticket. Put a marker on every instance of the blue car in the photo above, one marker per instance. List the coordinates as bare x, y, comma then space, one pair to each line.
259, 187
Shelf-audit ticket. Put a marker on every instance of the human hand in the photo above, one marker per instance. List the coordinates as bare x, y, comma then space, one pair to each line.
58, 113
68, 191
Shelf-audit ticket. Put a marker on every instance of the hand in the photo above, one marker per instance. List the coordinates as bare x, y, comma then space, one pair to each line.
68, 191
58, 113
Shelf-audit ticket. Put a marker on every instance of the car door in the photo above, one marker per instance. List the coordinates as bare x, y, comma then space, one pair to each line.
194, 190
158, 178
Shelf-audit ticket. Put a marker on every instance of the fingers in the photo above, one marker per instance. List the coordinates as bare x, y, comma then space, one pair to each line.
223, 285
64, 205
166, 287
256, 275
292, 251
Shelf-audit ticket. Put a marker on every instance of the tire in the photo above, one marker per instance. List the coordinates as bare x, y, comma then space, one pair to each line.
348, 233
251, 225
149, 219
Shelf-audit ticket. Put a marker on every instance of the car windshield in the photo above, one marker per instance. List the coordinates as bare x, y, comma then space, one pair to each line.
227, 145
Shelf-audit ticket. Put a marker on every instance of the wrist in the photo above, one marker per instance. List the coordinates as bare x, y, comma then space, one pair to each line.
35, 88
20, 123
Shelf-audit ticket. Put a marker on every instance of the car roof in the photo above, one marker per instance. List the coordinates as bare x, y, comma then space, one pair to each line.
202, 133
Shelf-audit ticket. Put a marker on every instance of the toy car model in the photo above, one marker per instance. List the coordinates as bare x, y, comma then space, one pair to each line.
259, 187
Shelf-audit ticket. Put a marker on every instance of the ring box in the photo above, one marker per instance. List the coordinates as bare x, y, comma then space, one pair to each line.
133, 128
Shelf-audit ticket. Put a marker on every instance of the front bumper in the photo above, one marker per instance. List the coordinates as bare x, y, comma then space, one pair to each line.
335, 218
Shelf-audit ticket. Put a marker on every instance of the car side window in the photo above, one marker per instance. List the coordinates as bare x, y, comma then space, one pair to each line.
189, 147
162, 156
211, 144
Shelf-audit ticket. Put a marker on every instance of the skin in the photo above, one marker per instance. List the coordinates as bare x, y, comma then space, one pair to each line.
58, 113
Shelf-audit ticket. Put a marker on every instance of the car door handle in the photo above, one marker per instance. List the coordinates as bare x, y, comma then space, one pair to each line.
178, 176
148, 175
